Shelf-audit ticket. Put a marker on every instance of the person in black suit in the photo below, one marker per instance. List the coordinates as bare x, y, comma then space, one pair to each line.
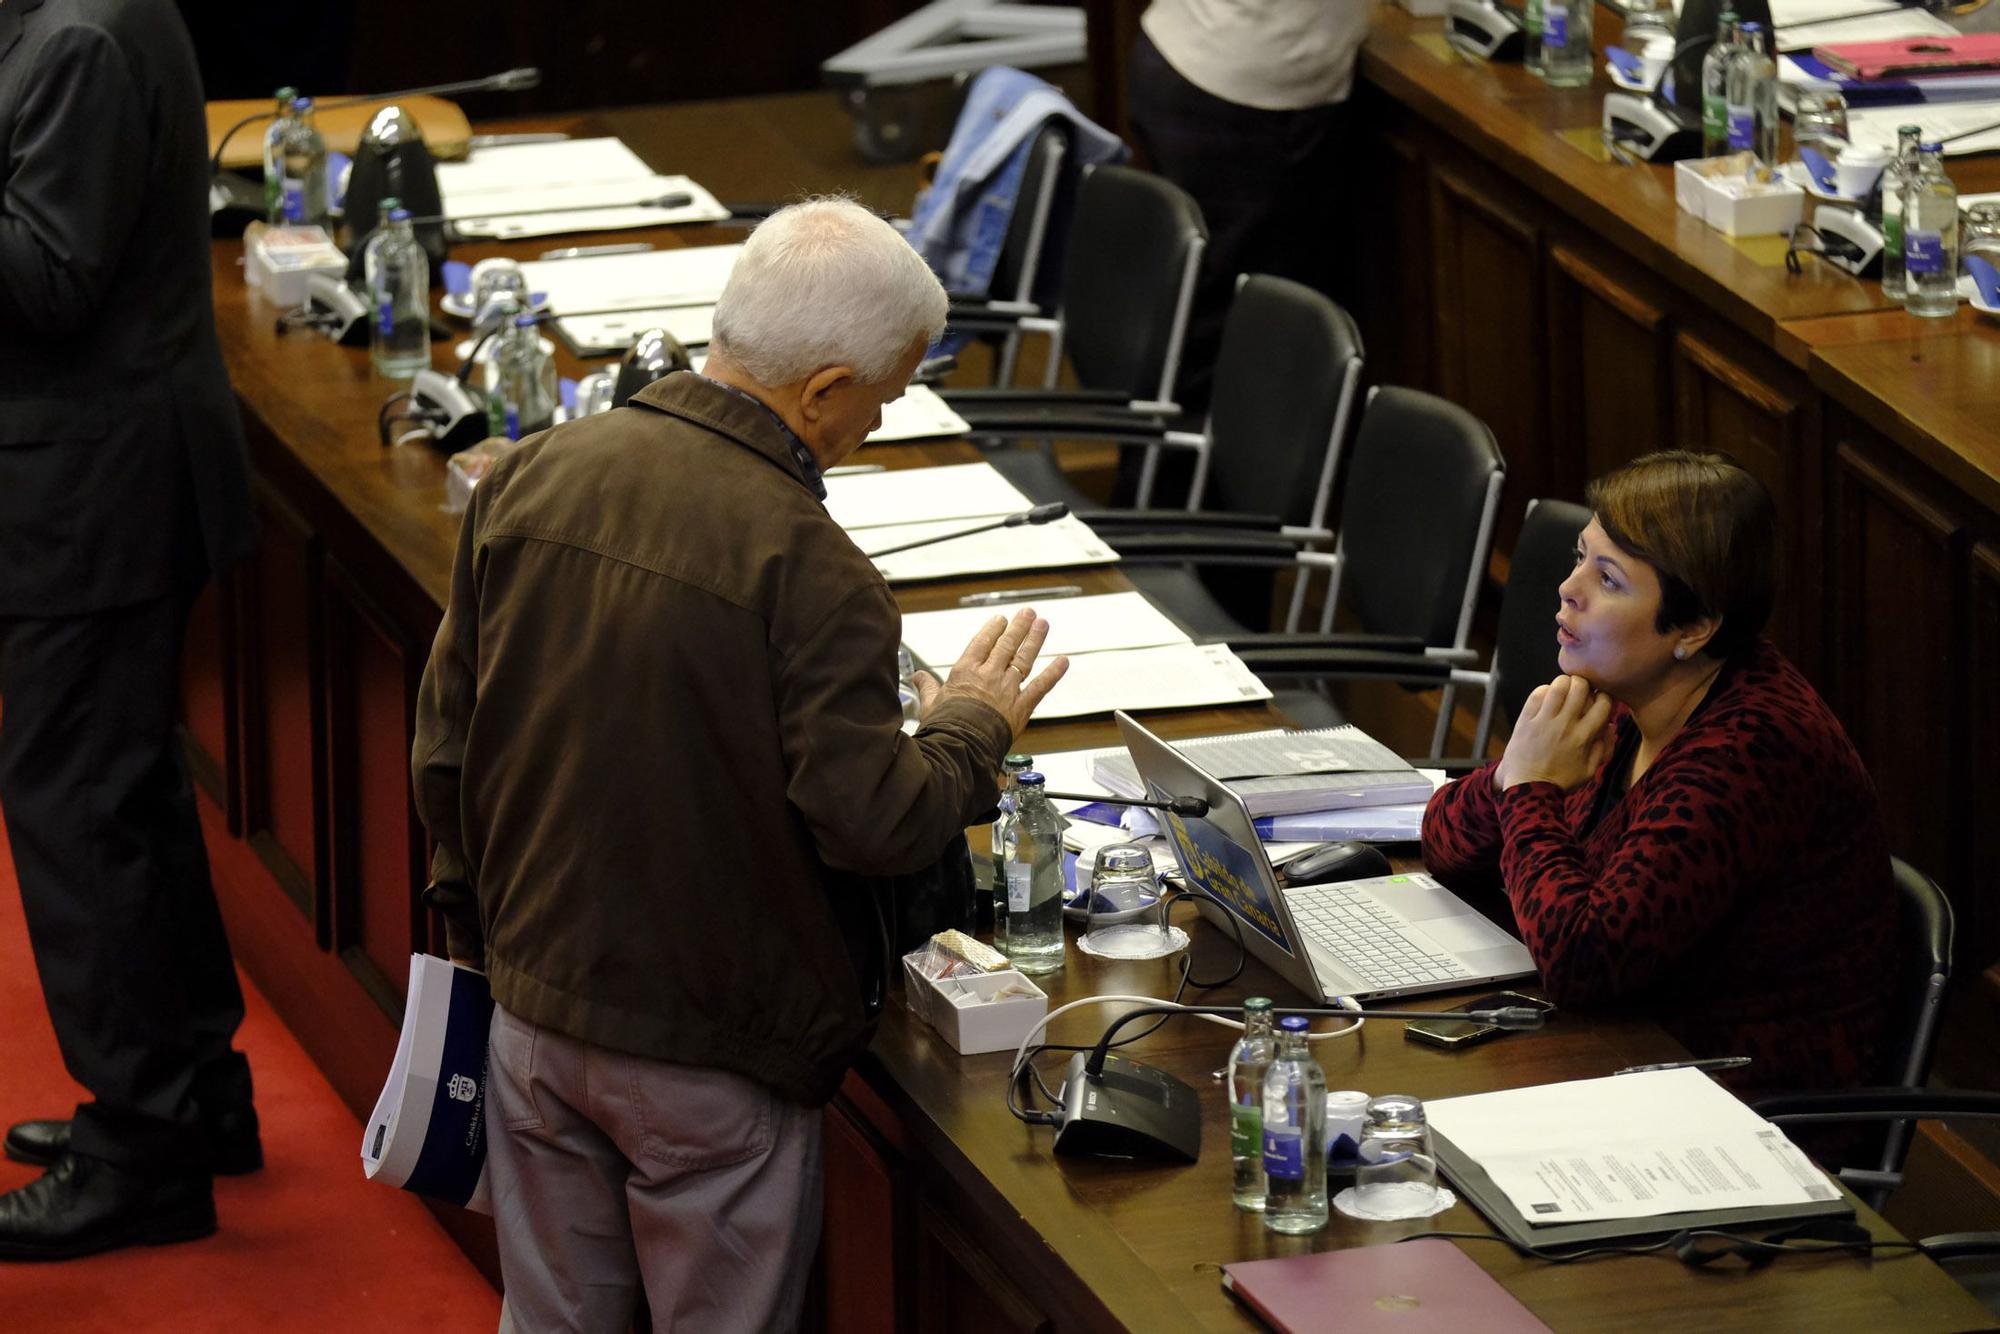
123, 487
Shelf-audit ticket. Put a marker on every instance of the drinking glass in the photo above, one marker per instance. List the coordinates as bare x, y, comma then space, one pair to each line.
1820, 122
1395, 1175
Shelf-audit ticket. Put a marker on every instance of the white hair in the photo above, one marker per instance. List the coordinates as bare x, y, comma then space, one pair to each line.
826, 283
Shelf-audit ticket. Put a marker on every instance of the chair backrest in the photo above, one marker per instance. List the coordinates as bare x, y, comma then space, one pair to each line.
1128, 278
1285, 380
1524, 650
1024, 252
1924, 933
1416, 516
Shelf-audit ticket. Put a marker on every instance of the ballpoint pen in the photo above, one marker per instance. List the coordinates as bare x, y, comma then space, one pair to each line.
850, 469
586, 251
1711, 1063
1000, 595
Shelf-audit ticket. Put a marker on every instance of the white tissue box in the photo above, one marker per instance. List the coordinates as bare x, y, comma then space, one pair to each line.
281, 261
964, 1013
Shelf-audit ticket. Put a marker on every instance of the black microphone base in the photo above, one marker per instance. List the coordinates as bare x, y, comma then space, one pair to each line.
1131, 1110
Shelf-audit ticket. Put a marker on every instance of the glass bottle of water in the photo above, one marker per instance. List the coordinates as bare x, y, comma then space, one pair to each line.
1566, 61
274, 166
1033, 940
302, 155
1751, 88
396, 276
1649, 30
1249, 1061
1930, 237
1294, 1134
1003, 823
1896, 179
524, 380
1714, 88
1531, 38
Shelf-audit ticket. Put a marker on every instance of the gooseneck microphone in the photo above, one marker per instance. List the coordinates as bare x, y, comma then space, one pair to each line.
1040, 514
1190, 808
507, 81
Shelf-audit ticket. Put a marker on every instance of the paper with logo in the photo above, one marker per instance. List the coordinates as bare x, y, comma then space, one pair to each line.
428, 1131
1628, 1146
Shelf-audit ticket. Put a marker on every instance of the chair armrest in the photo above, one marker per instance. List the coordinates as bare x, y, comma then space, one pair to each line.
1023, 400
1375, 664
1410, 645
1879, 1104
1228, 545
1961, 1245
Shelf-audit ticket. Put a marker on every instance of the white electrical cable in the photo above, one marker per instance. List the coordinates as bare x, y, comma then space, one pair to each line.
1021, 1052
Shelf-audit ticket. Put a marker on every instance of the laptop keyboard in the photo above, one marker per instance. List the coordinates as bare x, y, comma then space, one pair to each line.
1368, 939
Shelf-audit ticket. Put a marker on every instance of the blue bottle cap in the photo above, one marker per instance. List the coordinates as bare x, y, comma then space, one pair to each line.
524, 321
302, 104
1029, 776
1294, 1023
399, 215
1930, 146
1752, 27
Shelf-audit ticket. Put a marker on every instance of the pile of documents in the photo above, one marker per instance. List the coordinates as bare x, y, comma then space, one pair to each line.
581, 185
603, 301
888, 509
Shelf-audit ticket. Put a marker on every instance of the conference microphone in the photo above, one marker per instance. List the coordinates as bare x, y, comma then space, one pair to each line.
1040, 514
1116, 1107
1192, 808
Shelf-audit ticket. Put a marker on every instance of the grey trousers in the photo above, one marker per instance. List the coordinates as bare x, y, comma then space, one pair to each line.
612, 1172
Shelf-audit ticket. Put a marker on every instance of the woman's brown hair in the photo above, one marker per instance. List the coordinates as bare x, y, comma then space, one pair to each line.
1708, 528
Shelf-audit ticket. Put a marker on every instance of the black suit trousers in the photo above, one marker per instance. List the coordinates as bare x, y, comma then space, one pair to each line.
134, 962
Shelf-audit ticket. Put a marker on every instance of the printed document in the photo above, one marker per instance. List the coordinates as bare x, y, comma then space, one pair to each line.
1628, 1146
594, 182
968, 491
1179, 676
1066, 542
920, 414
1076, 625
1876, 126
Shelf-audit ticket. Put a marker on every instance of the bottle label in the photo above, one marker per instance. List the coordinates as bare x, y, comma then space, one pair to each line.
1714, 118
1246, 1132
1923, 252
1555, 26
1020, 881
1285, 1155
1742, 127
387, 318
513, 422
295, 199
1534, 24
1892, 230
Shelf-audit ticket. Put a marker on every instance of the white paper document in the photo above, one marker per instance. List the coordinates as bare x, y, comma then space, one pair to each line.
1886, 26
593, 181
1877, 125
603, 335
1049, 546
671, 289
915, 495
1178, 676
1076, 625
920, 414
1628, 1146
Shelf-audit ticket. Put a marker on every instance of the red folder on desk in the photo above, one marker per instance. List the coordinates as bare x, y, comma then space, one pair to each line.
1412, 1287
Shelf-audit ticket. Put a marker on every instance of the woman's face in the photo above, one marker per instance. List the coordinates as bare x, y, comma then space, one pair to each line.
1605, 624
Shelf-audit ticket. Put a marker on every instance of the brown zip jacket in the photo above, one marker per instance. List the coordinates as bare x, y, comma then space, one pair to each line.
661, 704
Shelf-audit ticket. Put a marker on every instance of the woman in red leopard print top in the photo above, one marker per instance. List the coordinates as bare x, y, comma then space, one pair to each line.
1679, 821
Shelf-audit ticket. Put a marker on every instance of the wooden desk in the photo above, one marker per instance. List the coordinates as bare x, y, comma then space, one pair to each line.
943, 1211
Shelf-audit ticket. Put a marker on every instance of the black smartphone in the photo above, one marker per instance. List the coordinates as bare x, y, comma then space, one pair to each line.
1455, 1033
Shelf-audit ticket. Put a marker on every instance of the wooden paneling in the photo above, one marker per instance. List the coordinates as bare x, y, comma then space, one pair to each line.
1895, 618
284, 747
378, 843
208, 698
960, 1288
1610, 353
1488, 302
1731, 398
859, 1265
1394, 299
1975, 876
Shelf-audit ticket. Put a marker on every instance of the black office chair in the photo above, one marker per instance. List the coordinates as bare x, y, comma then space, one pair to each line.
1924, 935
1285, 381
1416, 523
1133, 250
1022, 272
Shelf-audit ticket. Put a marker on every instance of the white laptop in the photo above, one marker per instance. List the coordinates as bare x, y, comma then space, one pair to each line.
1397, 935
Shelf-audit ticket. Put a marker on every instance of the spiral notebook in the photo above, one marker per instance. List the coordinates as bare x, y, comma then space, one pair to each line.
1411, 1287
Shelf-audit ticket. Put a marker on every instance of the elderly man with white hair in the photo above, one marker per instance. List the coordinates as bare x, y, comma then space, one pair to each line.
658, 731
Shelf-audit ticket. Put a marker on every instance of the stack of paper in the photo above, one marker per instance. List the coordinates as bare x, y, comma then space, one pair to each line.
1804, 24
1628, 1146
1287, 772
1877, 125
1097, 624
920, 414
671, 289
590, 185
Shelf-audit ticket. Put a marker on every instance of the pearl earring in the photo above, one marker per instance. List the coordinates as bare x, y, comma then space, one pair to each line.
1680, 653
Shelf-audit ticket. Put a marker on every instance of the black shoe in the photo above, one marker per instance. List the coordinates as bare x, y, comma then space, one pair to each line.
233, 1145
85, 1205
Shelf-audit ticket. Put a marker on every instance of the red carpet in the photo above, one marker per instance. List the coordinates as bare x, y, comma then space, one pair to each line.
307, 1244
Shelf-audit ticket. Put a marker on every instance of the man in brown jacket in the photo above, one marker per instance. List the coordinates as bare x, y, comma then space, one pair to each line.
660, 716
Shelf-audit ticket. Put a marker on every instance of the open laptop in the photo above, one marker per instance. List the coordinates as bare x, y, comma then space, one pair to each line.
1389, 936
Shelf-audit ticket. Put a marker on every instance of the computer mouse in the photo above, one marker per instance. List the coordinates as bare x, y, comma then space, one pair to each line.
1337, 861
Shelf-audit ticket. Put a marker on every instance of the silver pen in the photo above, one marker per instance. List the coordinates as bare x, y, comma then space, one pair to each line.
497, 140
1711, 1063
1000, 595
583, 251
850, 469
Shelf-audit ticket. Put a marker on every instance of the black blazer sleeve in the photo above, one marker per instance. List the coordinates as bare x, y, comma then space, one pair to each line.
78, 149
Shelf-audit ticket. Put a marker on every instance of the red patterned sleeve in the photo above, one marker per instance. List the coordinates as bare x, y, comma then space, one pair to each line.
1461, 834
1677, 869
